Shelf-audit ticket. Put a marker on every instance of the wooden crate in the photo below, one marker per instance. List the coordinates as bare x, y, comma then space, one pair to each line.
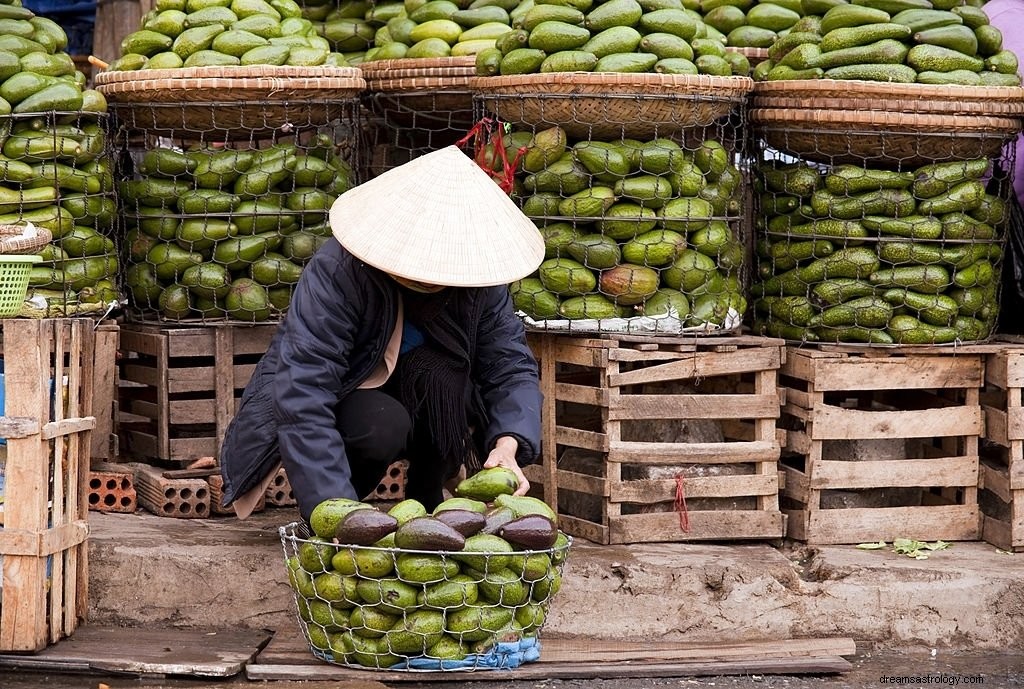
43, 542
179, 386
612, 482
1001, 482
882, 443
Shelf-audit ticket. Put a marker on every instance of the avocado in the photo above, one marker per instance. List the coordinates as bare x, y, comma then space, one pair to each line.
461, 503
428, 533
364, 562
425, 569
364, 527
477, 623
406, 510
414, 633
522, 505
370, 623
484, 552
315, 554
466, 522
501, 586
326, 516
390, 595
455, 592
495, 518
530, 532
336, 588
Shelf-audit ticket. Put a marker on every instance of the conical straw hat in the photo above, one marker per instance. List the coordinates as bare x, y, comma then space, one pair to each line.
438, 219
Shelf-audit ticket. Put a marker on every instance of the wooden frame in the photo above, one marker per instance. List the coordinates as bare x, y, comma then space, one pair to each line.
104, 436
179, 386
619, 371
45, 517
927, 397
1002, 465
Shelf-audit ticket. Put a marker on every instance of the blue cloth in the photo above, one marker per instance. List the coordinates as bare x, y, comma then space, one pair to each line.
83, 7
411, 338
506, 655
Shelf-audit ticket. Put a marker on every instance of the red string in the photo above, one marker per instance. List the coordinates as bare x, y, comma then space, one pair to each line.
684, 515
485, 132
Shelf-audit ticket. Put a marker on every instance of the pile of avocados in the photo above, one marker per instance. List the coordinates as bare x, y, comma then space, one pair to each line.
54, 171
878, 256
630, 228
901, 41
204, 33
218, 232
378, 588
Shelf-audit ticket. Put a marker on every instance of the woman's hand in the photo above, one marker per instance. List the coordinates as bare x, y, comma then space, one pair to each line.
504, 455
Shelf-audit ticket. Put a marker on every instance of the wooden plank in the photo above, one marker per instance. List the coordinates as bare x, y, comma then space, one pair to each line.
694, 406
185, 380
549, 424
23, 619
659, 355
574, 437
798, 442
703, 365
543, 671
105, 343
995, 481
995, 426
581, 394
946, 471
224, 387
582, 483
797, 485
43, 543
1015, 423
55, 429
647, 491
574, 526
899, 373
1001, 534
1014, 370
860, 525
835, 423
683, 453
581, 356
199, 653
995, 369
12, 427
710, 525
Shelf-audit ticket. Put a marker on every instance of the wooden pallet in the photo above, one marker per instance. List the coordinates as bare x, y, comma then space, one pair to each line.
612, 483
180, 386
913, 419
287, 657
47, 421
1002, 464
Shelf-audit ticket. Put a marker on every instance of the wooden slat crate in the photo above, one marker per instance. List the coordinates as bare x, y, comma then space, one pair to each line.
179, 386
1001, 483
660, 439
882, 443
48, 379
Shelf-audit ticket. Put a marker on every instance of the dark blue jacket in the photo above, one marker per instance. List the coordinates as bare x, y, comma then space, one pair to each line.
337, 328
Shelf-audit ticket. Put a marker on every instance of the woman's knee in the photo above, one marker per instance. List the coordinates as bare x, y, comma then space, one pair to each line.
374, 426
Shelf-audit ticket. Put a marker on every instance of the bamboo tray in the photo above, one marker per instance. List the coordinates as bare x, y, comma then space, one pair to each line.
754, 55
586, 104
423, 102
209, 98
842, 136
464, 66
876, 96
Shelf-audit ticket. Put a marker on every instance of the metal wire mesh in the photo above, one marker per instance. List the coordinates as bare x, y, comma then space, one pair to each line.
641, 234
401, 126
219, 221
56, 174
372, 607
902, 247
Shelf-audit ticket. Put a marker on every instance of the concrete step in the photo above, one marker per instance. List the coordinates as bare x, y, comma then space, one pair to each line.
148, 570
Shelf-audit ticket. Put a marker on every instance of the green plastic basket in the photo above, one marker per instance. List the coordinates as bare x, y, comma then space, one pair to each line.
14, 273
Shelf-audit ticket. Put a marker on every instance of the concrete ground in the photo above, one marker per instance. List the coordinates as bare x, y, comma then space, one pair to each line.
147, 570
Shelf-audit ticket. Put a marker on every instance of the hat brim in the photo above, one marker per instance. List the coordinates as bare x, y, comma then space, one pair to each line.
441, 220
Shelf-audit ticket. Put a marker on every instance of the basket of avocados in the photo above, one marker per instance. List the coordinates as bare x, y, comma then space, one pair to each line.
833, 94
612, 104
464, 587
842, 136
242, 98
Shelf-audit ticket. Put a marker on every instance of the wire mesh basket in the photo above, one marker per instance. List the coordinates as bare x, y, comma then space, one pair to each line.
420, 610
643, 234
219, 221
886, 250
57, 175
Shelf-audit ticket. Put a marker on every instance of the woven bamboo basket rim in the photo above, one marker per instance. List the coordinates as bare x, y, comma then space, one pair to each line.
849, 88
419, 64
920, 106
898, 120
220, 89
12, 241
421, 84
227, 72
414, 73
597, 84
